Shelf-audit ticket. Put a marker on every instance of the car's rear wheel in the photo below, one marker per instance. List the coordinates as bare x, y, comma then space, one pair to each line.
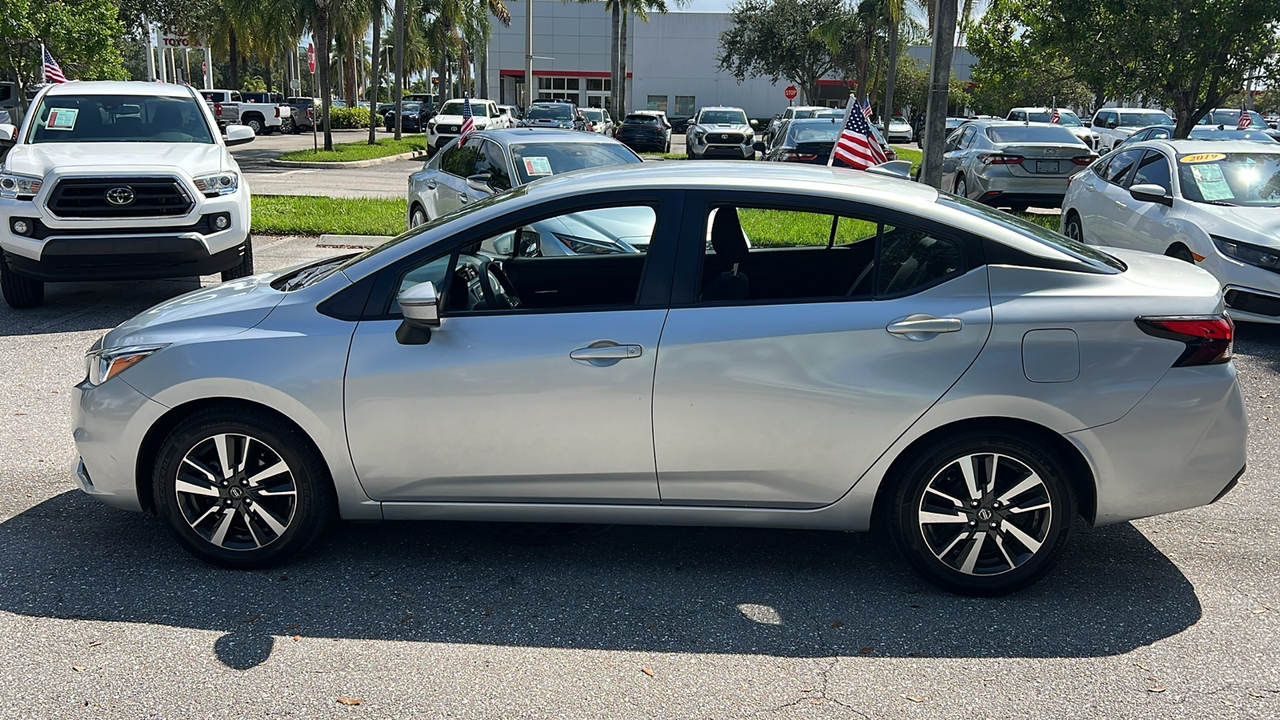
1074, 229
241, 488
417, 217
20, 291
962, 189
254, 124
983, 513
286, 127
245, 267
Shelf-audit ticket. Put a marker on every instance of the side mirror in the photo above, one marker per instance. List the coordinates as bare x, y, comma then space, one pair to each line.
1111, 125
238, 135
755, 123
530, 243
8, 133
421, 309
759, 147
1150, 192
480, 181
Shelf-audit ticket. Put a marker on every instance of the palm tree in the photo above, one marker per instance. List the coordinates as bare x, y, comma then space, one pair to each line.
375, 81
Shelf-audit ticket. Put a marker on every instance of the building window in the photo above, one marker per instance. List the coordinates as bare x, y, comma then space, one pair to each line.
599, 85
657, 102
685, 105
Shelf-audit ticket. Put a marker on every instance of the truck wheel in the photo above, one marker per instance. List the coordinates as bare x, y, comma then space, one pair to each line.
20, 291
245, 267
286, 126
254, 124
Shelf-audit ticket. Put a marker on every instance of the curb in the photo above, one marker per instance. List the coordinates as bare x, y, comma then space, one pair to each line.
351, 241
351, 164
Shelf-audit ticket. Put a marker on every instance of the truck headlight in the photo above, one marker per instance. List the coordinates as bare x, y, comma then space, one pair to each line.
106, 364
215, 184
21, 187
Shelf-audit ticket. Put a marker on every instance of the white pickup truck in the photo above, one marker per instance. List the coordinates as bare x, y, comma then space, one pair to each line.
119, 181
264, 112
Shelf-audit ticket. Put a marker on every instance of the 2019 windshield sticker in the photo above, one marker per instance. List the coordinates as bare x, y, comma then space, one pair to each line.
62, 119
1201, 158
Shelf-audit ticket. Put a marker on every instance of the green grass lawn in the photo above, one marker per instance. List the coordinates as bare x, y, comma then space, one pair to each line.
304, 215
1050, 221
913, 155
785, 228
362, 150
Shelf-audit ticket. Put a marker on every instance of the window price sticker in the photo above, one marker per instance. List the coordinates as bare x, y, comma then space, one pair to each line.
62, 119
537, 166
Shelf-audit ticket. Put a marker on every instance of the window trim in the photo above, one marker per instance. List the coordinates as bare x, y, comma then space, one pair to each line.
1124, 182
1167, 164
686, 282
655, 281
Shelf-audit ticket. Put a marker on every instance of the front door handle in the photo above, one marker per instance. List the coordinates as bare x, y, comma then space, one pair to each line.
605, 353
464, 198
924, 327
431, 186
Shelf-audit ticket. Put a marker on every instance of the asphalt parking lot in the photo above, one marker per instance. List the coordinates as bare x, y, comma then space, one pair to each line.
103, 616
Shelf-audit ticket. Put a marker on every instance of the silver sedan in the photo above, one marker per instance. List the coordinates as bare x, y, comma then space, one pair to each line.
496, 160
1012, 164
879, 352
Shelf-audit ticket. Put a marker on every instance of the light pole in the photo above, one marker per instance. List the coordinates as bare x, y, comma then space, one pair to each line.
528, 54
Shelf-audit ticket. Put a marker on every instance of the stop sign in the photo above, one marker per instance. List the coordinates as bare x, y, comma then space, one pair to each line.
311, 57
791, 92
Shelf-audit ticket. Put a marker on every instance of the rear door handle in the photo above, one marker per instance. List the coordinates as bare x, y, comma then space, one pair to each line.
605, 353
924, 327
464, 198
431, 186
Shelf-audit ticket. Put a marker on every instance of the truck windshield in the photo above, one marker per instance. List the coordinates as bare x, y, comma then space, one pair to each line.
119, 118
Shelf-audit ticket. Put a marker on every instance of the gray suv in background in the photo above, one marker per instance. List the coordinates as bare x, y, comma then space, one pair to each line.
720, 132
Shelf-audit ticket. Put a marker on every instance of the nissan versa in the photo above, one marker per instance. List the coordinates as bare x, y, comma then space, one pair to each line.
875, 351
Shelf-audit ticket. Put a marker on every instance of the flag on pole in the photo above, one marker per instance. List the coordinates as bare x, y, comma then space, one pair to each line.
1245, 121
468, 121
856, 146
866, 108
52, 73
1055, 117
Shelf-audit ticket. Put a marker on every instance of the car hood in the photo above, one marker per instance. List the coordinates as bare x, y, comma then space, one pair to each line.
77, 158
215, 311
898, 127
1254, 225
457, 120
724, 127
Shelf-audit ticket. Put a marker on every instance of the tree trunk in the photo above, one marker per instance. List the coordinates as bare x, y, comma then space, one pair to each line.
482, 62
322, 69
892, 72
615, 83
375, 79
352, 82
875, 77
864, 60
266, 76
233, 49
939, 84
399, 95
622, 64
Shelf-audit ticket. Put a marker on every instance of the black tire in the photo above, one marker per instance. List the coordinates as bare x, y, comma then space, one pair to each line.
20, 291
417, 216
193, 518
1182, 253
286, 126
997, 547
668, 148
962, 187
245, 267
254, 124
1074, 229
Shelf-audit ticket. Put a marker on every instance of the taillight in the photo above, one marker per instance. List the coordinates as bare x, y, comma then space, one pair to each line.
799, 157
1083, 159
217, 109
1000, 159
277, 112
310, 113
1209, 339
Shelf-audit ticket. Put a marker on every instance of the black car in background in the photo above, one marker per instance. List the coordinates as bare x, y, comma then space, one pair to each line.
644, 133
562, 115
803, 140
416, 116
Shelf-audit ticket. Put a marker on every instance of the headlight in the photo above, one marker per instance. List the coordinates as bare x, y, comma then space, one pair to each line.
21, 187
223, 183
1248, 254
431, 123
106, 364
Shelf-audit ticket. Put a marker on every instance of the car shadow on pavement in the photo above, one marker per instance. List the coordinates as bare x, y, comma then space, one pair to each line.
1259, 340
78, 306
691, 590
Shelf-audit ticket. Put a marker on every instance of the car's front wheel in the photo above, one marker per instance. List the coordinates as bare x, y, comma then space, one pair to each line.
245, 267
1074, 229
20, 291
242, 488
983, 512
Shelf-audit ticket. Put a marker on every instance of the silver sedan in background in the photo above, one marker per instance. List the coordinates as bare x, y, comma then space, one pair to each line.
972, 382
496, 160
1014, 165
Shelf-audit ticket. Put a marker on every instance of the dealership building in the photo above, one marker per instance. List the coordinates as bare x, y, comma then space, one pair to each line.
671, 62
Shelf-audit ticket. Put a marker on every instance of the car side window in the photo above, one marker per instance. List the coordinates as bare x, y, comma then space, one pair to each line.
1120, 166
1018, 116
494, 162
761, 254
589, 259
461, 161
1153, 170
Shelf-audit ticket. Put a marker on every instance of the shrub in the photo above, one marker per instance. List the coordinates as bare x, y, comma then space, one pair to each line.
350, 118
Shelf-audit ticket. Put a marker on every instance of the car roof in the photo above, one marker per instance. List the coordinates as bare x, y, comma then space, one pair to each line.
1040, 109
721, 107
515, 136
127, 87
1196, 145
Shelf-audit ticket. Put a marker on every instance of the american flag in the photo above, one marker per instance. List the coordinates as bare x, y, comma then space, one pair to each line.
856, 146
1245, 121
52, 73
468, 121
1055, 117
866, 108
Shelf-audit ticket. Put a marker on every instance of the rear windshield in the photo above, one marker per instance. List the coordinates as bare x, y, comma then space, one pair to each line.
119, 118
642, 120
1031, 133
1132, 119
722, 117
1231, 117
549, 112
814, 132
1066, 118
1251, 179
1040, 234
539, 160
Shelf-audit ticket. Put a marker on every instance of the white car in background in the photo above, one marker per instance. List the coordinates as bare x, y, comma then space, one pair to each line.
1214, 203
1066, 119
898, 130
447, 123
1115, 125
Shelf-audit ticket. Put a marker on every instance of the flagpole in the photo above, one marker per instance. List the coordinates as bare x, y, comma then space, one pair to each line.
852, 101
43, 79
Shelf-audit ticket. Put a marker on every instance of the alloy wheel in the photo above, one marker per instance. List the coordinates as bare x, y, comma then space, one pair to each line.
236, 492
985, 514
1073, 230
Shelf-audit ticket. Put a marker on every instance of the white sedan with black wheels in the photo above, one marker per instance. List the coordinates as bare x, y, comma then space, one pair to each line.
1215, 204
877, 352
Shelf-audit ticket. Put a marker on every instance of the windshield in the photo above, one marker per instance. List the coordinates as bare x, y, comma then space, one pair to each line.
642, 120
722, 117
539, 160
1142, 119
549, 112
826, 131
119, 118
594, 115
408, 107
1251, 179
1066, 118
1031, 133
454, 107
800, 114
1040, 234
